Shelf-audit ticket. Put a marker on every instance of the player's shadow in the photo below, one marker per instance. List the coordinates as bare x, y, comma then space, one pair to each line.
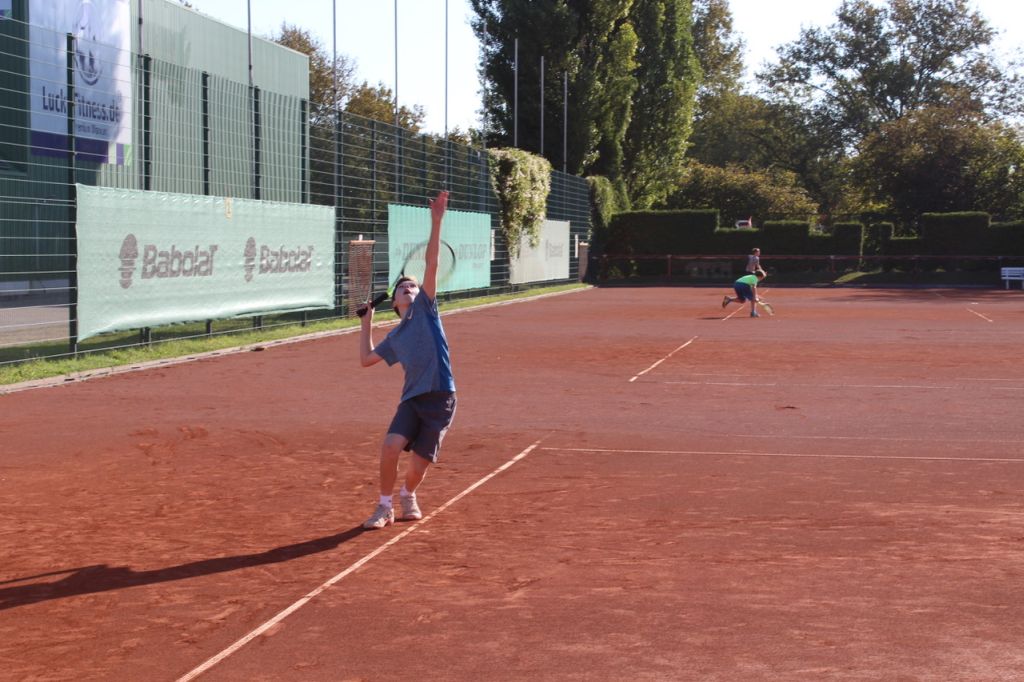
103, 578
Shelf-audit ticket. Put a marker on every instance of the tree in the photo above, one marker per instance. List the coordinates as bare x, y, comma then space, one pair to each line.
324, 96
378, 103
877, 64
590, 43
667, 76
330, 83
333, 89
737, 192
719, 52
940, 159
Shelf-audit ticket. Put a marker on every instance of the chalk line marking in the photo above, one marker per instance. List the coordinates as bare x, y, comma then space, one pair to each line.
790, 383
747, 453
214, 660
975, 312
883, 438
663, 359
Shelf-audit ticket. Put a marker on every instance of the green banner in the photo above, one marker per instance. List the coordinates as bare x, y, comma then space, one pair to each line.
467, 233
152, 258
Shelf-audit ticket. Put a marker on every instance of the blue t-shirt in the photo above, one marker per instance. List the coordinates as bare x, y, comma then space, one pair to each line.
419, 344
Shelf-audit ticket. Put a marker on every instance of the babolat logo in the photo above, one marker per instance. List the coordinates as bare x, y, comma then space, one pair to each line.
276, 260
129, 252
169, 263
250, 258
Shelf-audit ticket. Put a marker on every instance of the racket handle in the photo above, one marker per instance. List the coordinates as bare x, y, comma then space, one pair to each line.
361, 311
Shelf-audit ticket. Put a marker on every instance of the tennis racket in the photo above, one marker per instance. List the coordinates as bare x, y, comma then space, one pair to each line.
767, 307
378, 299
415, 265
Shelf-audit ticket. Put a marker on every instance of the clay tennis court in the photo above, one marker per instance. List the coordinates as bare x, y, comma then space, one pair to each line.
638, 486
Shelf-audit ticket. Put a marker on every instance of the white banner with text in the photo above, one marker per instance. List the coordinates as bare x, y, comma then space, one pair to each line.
152, 258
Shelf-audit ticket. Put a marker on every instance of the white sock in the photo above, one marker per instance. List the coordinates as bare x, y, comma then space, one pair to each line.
405, 493
385, 500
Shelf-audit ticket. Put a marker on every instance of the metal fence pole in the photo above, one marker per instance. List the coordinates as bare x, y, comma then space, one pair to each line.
257, 135
72, 200
206, 133
147, 123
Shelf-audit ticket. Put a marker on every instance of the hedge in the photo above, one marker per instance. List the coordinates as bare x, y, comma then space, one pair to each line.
694, 232
661, 231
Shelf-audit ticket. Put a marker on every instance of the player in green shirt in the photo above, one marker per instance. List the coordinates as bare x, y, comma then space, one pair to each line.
746, 290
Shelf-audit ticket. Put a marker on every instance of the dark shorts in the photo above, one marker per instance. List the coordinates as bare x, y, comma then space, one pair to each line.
423, 420
743, 292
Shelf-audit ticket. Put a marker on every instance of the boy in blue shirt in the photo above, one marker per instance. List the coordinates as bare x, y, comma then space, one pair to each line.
427, 405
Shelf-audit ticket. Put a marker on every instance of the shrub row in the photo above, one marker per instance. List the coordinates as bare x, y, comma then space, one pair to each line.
696, 232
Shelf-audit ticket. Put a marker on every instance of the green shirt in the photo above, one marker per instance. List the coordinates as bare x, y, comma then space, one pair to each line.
748, 279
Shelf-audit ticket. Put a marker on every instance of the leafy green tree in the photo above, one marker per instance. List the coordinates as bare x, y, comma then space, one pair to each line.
330, 83
940, 159
378, 103
739, 193
719, 50
589, 42
667, 76
876, 64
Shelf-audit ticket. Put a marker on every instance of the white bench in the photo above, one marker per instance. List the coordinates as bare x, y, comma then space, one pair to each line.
1012, 274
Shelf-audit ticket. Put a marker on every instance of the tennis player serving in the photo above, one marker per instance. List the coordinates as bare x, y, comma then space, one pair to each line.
427, 405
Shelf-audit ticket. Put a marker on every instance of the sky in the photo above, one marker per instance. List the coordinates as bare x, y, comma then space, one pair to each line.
366, 30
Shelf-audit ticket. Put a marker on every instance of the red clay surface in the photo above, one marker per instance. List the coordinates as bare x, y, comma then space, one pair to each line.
831, 493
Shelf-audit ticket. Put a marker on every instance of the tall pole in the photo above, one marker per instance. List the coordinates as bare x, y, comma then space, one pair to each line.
396, 63
541, 150
248, 5
447, 143
565, 122
515, 98
334, 51
446, 69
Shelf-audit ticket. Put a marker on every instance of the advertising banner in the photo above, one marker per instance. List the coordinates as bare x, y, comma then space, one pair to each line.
151, 258
467, 234
102, 78
548, 260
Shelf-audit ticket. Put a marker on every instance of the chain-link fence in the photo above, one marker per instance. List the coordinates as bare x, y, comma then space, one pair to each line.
162, 127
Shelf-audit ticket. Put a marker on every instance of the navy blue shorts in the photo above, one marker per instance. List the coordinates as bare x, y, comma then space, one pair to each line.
424, 420
743, 291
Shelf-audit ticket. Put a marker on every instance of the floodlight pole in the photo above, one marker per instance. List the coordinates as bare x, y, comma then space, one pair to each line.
565, 121
515, 97
396, 65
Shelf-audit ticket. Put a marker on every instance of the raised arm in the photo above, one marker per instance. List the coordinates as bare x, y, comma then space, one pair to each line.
366, 355
438, 206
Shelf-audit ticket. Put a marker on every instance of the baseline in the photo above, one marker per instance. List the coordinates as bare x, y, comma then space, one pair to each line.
750, 453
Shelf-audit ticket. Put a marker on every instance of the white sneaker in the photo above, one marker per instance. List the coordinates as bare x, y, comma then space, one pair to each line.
382, 517
410, 510
753, 313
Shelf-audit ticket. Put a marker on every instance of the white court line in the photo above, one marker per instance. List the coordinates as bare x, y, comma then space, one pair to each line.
975, 312
663, 359
744, 453
789, 383
885, 438
214, 660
